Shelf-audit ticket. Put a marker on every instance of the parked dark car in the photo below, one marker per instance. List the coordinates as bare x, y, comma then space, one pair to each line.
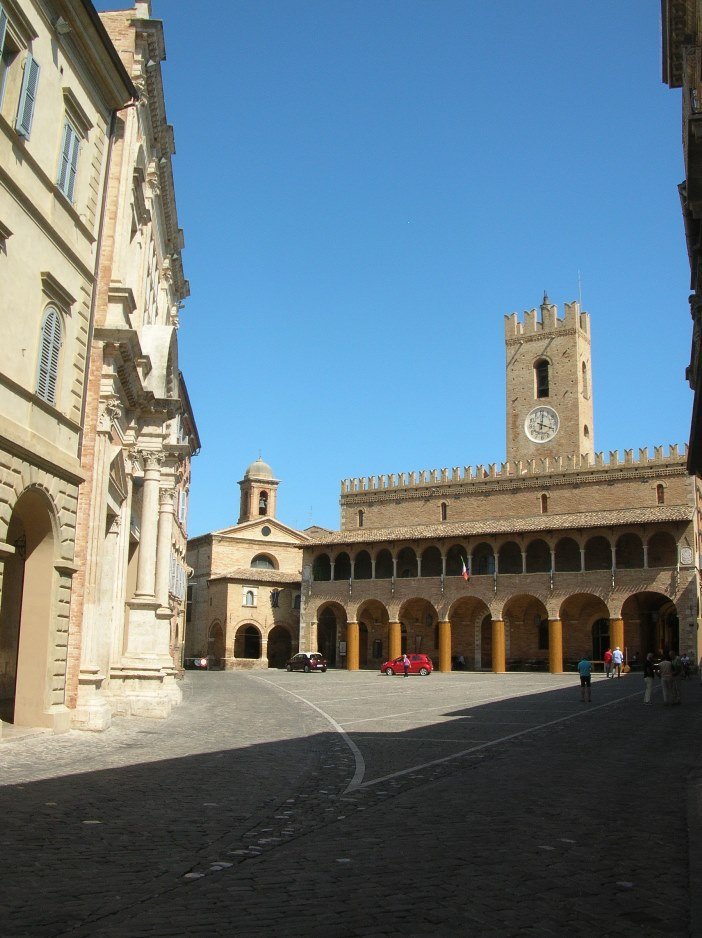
306, 661
419, 664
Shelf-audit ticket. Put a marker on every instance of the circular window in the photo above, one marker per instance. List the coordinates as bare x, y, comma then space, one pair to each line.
265, 530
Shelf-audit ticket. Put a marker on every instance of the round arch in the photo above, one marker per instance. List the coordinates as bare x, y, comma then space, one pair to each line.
466, 616
362, 567
27, 635
373, 618
585, 619
526, 622
419, 623
321, 567
331, 630
650, 624
247, 642
279, 646
509, 558
215, 647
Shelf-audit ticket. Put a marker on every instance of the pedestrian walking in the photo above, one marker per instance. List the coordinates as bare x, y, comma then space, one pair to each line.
685, 662
406, 664
607, 659
665, 669
585, 671
649, 673
617, 661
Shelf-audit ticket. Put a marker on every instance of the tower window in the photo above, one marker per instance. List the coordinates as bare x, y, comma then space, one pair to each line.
541, 378
249, 598
544, 504
263, 503
660, 495
586, 388
444, 511
360, 518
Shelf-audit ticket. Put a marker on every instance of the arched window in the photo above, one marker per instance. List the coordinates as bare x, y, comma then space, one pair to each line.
360, 518
248, 598
544, 504
263, 503
586, 389
660, 494
444, 511
541, 378
49, 355
263, 562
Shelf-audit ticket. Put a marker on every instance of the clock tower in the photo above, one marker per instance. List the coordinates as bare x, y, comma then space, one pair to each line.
549, 384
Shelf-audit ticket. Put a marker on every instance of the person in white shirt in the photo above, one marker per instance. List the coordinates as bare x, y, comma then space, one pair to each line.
617, 660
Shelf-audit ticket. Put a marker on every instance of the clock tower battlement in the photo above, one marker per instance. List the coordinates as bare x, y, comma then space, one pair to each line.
549, 383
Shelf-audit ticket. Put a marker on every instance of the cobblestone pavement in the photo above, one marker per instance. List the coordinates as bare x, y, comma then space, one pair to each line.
361, 805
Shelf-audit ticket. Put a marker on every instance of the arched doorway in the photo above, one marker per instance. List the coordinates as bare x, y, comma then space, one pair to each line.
419, 619
650, 624
26, 613
526, 623
466, 616
247, 643
372, 618
279, 647
586, 628
215, 647
329, 624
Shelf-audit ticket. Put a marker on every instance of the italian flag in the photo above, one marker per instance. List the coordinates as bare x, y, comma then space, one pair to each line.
465, 569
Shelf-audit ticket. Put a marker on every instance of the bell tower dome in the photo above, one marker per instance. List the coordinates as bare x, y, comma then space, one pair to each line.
549, 384
258, 492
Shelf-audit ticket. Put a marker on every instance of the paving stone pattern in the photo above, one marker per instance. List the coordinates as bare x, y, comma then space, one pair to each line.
495, 805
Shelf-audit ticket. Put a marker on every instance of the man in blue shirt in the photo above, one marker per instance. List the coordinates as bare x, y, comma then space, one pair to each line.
585, 671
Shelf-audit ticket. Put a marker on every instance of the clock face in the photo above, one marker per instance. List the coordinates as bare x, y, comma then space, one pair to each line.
541, 424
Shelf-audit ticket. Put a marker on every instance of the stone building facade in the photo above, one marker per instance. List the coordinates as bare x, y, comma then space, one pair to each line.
244, 591
140, 433
565, 552
682, 68
61, 87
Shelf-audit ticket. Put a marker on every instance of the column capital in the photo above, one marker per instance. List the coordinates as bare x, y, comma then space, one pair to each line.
149, 459
166, 498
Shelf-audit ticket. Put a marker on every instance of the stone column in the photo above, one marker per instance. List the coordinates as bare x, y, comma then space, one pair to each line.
524, 570
444, 646
645, 553
498, 646
616, 633
555, 646
394, 640
146, 568
352, 646
164, 547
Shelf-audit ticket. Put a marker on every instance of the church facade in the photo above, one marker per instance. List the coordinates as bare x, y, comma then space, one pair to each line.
555, 553
243, 608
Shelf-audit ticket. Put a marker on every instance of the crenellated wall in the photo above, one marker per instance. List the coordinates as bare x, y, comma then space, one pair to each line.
507, 470
549, 321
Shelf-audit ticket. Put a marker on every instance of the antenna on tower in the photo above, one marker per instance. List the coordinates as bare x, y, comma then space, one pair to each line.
580, 290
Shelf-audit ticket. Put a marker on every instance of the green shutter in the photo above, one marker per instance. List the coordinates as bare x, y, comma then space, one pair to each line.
28, 96
49, 356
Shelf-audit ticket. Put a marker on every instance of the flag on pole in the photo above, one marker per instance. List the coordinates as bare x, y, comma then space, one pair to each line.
465, 569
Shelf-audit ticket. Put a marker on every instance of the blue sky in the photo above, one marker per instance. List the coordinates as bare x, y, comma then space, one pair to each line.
368, 186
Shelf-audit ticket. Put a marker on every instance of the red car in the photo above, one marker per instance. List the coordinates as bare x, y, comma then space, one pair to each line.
419, 664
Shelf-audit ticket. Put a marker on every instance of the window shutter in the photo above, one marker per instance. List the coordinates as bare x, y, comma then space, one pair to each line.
65, 157
73, 166
28, 96
3, 29
49, 356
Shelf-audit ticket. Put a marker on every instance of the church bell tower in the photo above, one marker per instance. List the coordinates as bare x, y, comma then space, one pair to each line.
258, 492
549, 384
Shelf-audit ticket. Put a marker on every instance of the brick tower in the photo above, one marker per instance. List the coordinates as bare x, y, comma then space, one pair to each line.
258, 492
549, 384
